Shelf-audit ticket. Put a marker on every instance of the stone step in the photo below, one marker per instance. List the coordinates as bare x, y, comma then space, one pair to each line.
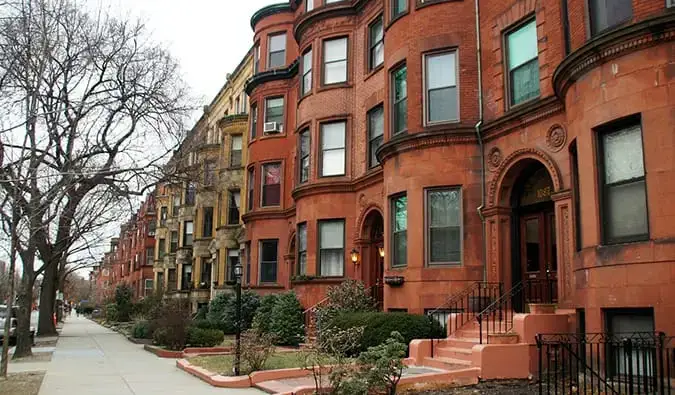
460, 342
446, 363
464, 354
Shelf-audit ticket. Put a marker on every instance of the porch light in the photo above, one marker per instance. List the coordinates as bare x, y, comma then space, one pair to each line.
355, 256
380, 250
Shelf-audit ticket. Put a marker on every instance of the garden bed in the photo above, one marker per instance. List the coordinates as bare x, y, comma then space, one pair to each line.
222, 364
496, 387
22, 383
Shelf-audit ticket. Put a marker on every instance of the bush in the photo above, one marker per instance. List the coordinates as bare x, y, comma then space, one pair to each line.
141, 330
223, 311
149, 307
350, 296
123, 301
205, 324
198, 337
379, 326
256, 348
286, 323
111, 313
262, 317
172, 325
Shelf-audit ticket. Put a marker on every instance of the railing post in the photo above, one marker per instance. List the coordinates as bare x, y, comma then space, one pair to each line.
628, 349
661, 349
541, 363
480, 329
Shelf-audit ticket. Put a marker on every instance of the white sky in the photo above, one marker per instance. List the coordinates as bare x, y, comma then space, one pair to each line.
208, 37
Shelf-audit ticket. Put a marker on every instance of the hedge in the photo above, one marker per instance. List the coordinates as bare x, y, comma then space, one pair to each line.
141, 330
378, 326
198, 337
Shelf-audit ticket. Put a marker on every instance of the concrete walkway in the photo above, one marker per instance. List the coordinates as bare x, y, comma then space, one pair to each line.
91, 359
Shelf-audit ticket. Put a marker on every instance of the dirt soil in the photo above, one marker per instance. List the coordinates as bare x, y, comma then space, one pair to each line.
36, 357
22, 383
510, 387
45, 343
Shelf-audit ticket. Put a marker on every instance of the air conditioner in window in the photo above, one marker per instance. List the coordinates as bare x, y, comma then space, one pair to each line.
151, 233
271, 128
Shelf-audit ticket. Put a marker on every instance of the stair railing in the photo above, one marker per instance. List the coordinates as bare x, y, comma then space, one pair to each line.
497, 317
464, 305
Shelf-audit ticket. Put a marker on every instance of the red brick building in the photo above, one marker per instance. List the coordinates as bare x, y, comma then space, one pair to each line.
447, 142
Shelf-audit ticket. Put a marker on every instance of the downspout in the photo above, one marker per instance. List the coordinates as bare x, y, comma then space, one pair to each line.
479, 137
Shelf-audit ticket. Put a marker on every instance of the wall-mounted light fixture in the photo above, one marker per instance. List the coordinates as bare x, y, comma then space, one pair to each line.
355, 256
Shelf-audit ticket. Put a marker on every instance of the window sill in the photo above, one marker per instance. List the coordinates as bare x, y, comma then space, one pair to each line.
264, 286
426, 3
374, 71
448, 265
526, 103
319, 280
272, 136
340, 85
398, 268
335, 176
619, 243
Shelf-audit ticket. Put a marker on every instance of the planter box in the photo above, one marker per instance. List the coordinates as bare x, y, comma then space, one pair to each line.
503, 338
542, 308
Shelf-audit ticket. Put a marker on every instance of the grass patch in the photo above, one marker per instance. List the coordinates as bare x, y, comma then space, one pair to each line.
222, 364
22, 383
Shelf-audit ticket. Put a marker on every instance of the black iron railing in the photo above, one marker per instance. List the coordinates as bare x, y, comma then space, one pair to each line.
603, 363
497, 317
464, 305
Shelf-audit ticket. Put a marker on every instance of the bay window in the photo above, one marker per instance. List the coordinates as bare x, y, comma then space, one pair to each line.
375, 134
274, 111
268, 261
277, 51
605, 14
271, 184
333, 149
376, 43
399, 79
250, 183
233, 208
188, 231
331, 248
444, 225
235, 151
399, 237
307, 72
302, 249
441, 87
335, 61
303, 154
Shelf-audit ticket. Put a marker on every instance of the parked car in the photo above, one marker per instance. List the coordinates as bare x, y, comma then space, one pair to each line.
13, 325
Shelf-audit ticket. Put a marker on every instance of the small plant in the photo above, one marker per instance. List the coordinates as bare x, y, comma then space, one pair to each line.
198, 337
173, 324
382, 366
223, 311
256, 348
286, 321
141, 330
350, 296
123, 300
262, 318
111, 313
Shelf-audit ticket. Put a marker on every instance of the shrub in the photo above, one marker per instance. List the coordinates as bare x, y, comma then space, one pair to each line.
378, 327
205, 324
172, 325
223, 311
198, 337
111, 313
286, 322
262, 317
256, 348
381, 367
123, 296
149, 307
141, 330
349, 297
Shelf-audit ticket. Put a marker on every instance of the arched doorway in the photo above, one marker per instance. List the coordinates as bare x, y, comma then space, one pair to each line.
372, 242
533, 233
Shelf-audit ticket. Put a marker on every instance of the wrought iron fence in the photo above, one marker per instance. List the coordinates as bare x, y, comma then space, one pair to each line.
603, 363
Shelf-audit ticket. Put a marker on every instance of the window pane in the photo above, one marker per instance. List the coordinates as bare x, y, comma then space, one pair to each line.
441, 70
525, 82
272, 173
400, 83
400, 213
335, 72
332, 263
444, 207
399, 6
607, 13
444, 244
376, 32
333, 135
331, 234
304, 171
335, 50
401, 116
443, 104
310, 5
376, 122
378, 55
236, 142
374, 145
275, 110
333, 162
277, 59
269, 250
532, 245
623, 157
271, 195
307, 61
400, 249
302, 237
277, 42
627, 210
522, 45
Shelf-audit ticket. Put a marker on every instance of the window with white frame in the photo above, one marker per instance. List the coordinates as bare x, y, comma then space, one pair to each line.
331, 248
232, 262
623, 182
268, 254
271, 184
376, 43
441, 87
188, 231
444, 225
307, 72
301, 266
235, 151
303, 154
335, 61
274, 111
277, 51
523, 63
309, 6
333, 148
375, 134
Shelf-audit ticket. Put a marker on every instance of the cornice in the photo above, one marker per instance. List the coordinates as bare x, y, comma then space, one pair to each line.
414, 141
522, 116
613, 44
344, 186
230, 120
277, 74
346, 8
268, 214
269, 10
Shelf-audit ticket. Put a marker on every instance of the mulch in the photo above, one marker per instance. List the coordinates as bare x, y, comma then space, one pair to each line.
502, 387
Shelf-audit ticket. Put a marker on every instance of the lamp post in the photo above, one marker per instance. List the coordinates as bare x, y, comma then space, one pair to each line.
238, 271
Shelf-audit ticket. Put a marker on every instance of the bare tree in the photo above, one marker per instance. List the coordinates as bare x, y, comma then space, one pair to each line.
93, 110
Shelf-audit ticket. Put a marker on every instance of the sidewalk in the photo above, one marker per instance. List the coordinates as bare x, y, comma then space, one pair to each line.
93, 360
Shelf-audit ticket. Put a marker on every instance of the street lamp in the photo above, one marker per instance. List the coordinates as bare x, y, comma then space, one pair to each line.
238, 271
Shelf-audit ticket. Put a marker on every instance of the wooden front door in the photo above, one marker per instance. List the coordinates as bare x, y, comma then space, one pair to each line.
539, 256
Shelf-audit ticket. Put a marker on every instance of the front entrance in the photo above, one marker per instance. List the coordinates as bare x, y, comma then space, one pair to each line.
534, 243
373, 256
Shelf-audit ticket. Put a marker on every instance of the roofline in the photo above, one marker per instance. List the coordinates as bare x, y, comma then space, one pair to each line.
271, 10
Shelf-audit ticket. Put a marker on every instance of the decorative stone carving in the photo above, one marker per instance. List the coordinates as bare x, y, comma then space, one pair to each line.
556, 137
494, 158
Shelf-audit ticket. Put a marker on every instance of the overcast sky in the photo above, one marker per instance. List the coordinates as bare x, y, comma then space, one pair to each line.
209, 37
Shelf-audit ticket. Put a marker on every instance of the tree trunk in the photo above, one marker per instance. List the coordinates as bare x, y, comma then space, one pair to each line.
47, 298
24, 340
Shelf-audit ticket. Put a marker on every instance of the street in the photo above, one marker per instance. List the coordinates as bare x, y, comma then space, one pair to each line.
91, 359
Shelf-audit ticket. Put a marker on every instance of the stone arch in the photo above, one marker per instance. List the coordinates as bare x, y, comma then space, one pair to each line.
509, 169
361, 222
